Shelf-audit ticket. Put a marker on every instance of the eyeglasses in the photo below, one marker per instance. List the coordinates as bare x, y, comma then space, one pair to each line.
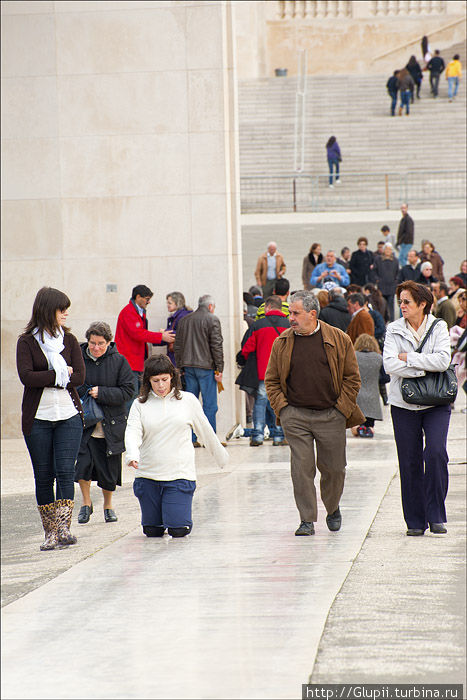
406, 302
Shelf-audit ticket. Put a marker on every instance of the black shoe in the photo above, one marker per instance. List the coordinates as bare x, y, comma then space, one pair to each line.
305, 528
334, 520
109, 515
255, 443
84, 514
438, 528
415, 532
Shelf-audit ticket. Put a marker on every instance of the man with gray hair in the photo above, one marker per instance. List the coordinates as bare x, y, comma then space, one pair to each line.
199, 354
312, 382
269, 268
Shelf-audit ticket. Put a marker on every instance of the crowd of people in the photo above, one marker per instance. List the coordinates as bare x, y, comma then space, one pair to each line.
407, 82
313, 362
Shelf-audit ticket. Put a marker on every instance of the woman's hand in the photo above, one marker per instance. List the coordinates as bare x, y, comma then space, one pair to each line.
402, 356
133, 464
94, 392
70, 370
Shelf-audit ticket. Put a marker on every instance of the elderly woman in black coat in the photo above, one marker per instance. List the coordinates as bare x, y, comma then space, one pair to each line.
109, 381
387, 272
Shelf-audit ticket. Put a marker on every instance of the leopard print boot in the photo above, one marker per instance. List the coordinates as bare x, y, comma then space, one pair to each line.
64, 511
49, 524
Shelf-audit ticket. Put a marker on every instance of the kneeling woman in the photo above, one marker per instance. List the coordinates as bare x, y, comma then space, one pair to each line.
159, 445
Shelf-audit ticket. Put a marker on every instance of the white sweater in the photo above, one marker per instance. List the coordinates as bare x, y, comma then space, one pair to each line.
435, 357
158, 437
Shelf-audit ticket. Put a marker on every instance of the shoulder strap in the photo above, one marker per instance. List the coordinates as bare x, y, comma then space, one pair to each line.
427, 334
273, 326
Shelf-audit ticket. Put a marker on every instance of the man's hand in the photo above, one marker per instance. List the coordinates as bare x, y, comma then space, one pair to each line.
168, 336
334, 273
94, 392
133, 464
218, 376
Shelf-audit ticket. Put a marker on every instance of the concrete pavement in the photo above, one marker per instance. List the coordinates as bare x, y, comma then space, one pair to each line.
241, 608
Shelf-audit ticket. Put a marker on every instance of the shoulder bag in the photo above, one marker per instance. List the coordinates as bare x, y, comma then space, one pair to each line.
92, 412
435, 388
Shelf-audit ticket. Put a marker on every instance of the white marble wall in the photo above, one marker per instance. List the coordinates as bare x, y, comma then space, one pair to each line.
119, 138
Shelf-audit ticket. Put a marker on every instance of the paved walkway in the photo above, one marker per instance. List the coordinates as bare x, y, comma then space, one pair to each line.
240, 608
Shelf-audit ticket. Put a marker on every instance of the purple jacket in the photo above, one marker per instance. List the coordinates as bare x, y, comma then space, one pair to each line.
172, 323
334, 152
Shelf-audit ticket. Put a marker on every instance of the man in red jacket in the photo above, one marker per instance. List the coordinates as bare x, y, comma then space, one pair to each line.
132, 335
264, 331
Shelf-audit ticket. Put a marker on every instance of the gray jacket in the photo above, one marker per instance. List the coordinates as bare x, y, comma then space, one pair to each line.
369, 364
198, 342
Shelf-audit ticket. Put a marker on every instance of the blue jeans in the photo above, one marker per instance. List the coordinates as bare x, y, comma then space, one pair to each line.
202, 380
434, 82
453, 83
393, 103
165, 503
405, 100
263, 412
53, 447
403, 252
333, 162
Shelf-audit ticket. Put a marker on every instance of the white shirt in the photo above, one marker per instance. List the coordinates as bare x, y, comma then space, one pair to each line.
55, 404
158, 437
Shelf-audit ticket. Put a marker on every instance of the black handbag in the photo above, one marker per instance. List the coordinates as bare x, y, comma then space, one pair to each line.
92, 412
435, 388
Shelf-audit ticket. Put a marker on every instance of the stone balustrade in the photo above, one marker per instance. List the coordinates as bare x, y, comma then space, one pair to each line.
311, 9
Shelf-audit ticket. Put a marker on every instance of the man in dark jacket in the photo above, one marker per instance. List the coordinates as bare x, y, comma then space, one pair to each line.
392, 87
411, 271
336, 312
406, 87
361, 263
436, 67
199, 353
264, 331
405, 235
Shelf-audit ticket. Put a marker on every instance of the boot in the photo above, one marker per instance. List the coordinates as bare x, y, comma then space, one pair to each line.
49, 524
64, 511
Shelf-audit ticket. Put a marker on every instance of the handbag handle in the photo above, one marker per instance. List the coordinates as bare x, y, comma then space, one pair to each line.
427, 335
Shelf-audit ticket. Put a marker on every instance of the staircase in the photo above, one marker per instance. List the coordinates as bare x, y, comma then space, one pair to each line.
356, 109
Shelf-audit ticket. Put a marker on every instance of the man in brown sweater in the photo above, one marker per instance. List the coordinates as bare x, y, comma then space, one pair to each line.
361, 321
312, 382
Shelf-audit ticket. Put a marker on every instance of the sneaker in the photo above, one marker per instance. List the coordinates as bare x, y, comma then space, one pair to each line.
400, 111
331, 187
255, 443
365, 432
236, 431
338, 182
334, 520
305, 529
280, 443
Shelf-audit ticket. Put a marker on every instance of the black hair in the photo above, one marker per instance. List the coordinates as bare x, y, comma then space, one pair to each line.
142, 291
281, 286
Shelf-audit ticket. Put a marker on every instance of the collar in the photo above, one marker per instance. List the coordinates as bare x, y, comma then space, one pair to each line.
417, 334
440, 301
162, 398
306, 335
357, 311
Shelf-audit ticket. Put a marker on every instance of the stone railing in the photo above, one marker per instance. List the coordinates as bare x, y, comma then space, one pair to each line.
311, 9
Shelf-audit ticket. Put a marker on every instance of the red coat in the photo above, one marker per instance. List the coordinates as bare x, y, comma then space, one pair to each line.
263, 335
132, 335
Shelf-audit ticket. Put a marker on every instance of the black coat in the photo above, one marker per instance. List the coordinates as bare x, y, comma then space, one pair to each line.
336, 314
387, 272
409, 273
360, 263
113, 375
405, 232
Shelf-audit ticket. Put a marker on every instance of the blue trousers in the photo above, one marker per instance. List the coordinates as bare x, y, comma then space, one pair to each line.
202, 381
403, 252
453, 85
393, 96
53, 447
405, 100
333, 163
165, 503
262, 414
423, 468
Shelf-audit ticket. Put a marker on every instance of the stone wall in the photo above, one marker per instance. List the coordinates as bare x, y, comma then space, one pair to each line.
120, 166
341, 37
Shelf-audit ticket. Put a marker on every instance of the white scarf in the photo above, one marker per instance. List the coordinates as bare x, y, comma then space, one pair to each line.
52, 347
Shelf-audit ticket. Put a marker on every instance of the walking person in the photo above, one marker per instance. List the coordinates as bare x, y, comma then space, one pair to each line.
270, 267
334, 157
314, 257
109, 380
177, 308
436, 66
392, 87
423, 464
312, 382
406, 87
415, 71
405, 234
453, 75
159, 447
50, 366
387, 273
361, 263
370, 361
199, 354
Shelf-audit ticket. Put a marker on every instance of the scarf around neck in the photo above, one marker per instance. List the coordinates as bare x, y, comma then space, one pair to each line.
52, 347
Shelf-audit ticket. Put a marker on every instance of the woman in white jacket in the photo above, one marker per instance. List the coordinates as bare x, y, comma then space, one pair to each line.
423, 468
159, 446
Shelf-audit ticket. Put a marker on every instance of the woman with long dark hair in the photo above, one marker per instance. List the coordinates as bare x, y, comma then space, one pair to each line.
314, 257
415, 71
51, 366
334, 157
159, 446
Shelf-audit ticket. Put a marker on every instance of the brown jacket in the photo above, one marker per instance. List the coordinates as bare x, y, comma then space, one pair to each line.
361, 323
261, 272
342, 363
436, 263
